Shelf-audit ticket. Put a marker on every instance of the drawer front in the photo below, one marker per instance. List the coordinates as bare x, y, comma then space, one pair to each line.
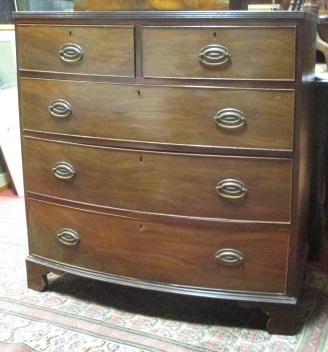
239, 118
266, 53
161, 253
191, 185
106, 50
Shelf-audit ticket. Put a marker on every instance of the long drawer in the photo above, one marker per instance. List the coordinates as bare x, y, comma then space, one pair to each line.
188, 185
231, 258
239, 118
225, 52
92, 50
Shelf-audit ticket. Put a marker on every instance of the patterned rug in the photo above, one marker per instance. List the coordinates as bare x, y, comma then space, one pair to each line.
82, 315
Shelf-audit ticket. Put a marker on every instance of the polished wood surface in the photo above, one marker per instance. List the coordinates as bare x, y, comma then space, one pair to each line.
184, 116
134, 183
101, 45
319, 195
170, 254
252, 58
164, 183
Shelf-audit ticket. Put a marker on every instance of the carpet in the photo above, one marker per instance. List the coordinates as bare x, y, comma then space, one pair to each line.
12, 347
82, 315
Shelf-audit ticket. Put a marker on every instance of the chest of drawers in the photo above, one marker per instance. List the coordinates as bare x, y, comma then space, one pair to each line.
169, 151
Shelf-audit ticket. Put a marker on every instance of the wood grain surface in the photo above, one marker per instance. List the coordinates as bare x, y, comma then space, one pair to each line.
168, 115
162, 183
107, 50
159, 252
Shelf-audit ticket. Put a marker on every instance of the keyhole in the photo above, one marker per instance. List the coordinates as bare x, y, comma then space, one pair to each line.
215, 34
69, 33
139, 93
141, 159
141, 227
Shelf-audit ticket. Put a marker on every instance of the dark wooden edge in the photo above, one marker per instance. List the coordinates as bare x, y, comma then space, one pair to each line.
282, 317
47, 266
280, 309
159, 217
135, 15
159, 147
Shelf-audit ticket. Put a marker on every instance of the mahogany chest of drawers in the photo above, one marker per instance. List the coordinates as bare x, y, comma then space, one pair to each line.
169, 151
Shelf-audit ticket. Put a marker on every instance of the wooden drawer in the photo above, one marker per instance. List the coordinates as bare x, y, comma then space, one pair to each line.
158, 252
253, 52
193, 185
106, 50
239, 118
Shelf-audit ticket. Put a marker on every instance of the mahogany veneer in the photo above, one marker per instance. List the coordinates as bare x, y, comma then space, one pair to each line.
170, 151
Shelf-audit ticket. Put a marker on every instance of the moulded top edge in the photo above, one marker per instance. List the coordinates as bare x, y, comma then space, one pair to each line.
138, 15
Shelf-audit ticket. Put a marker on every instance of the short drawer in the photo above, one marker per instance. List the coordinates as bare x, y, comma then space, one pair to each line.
225, 52
216, 257
187, 185
210, 117
92, 50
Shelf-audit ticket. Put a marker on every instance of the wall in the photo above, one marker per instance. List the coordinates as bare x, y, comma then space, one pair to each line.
6, 7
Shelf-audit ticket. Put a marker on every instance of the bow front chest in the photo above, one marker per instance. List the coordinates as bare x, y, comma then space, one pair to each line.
169, 151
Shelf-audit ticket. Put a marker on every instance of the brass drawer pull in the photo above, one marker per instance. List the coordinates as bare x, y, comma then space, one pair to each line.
71, 53
60, 108
233, 189
68, 237
214, 55
230, 119
229, 257
63, 170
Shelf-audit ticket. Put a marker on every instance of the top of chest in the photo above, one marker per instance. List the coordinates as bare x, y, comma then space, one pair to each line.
175, 45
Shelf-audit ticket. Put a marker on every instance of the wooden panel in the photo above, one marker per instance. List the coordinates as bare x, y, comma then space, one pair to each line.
172, 183
107, 50
162, 253
256, 52
169, 115
112, 5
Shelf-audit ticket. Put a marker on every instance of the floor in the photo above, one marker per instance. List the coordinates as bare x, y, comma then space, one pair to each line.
12, 217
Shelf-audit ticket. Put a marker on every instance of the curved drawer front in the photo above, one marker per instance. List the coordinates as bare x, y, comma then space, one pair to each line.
239, 118
192, 185
105, 50
161, 253
254, 53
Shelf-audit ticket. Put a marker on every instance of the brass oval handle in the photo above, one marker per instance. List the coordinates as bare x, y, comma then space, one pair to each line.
68, 237
71, 53
214, 55
230, 118
63, 170
233, 189
229, 257
60, 108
